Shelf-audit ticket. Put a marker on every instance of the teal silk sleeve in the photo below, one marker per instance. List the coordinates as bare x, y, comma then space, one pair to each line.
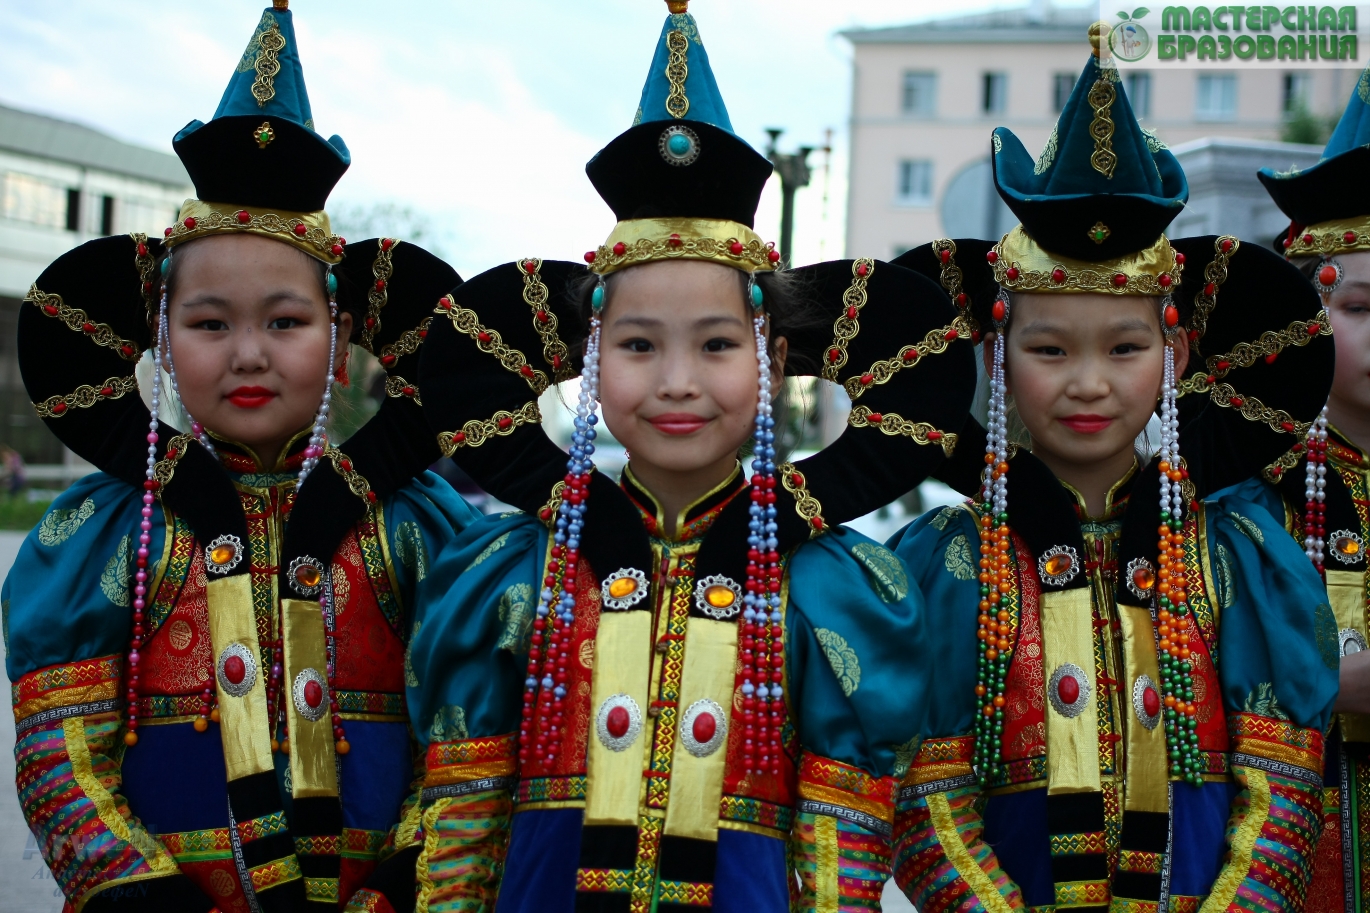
420, 520
472, 619
67, 597
1278, 652
857, 666
941, 549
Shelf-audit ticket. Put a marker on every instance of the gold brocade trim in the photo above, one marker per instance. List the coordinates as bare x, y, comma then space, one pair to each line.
477, 432
1254, 410
722, 241
931, 773
805, 504
1286, 461
1020, 264
1092, 843
146, 264
492, 343
75, 319
327, 845
85, 396
604, 881
409, 342
313, 758
1081, 894
277, 872
166, 466
1244, 837
952, 278
309, 231
379, 295
847, 325
934, 343
1073, 742
944, 825
397, 387
535, 295
321, 889
548, 513
263, 827
1215, 274
645, 867
271, 43
1101, 97
827, 861
873, 806
1244, 354
1329, 238
78, 753
677, 70
465, 773
892, 423
1140, 861
356, 482
243, 720
690, 893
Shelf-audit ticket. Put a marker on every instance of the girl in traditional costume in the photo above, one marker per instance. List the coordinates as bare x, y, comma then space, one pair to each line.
1133, 684
687, 689
1325, 479
207, 637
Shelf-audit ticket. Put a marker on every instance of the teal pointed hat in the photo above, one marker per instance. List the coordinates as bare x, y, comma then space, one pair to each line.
680, 163
1103, 187
1332, 198
668, 96
260, 150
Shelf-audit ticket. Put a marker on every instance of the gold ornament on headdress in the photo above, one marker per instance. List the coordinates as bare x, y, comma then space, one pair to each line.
1022, 265
722, 241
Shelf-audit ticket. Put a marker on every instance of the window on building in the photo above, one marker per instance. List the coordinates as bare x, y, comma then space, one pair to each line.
33, 200
73, 209
1138, 87
994, 93
1297, 87
1062, 84
1217, 97
920, 94
142, 215
107, 215
915, 182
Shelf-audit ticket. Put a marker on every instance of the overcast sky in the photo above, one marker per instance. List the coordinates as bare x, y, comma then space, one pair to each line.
480, 114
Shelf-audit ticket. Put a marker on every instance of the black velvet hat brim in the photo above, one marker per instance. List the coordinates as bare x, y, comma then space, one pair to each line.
724, 182
1335, 188
296, 171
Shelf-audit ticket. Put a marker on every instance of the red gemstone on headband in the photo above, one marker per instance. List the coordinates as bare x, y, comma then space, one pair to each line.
243, 216
736, 248
387, 243
1226, 244
773, 256
166, 232
992, 256
589, 256
862, 270
530, 266
1307, 239
620, 249
301, 229
1349, 238
945, 256
674, 240
1012, 273
1119, 280
189, 222
1179, 258
1058, 275
337, 250
1164, 280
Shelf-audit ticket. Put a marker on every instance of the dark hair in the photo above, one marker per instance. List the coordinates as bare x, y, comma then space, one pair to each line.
787, 304
1309, 266
347, 297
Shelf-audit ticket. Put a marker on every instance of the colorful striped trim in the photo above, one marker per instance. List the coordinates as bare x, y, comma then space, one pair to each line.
604, 881
1185, 903
380, 703
279, 871
941, 759
198, 846
550, 789
261, 828
57, 714
1022, 770
746, 810
321, 890
689, 893
67, 685
1140, 861
464, 843
1276, 740
361, 844
163, 706
941, 860
318, 846
840, 867
828, 787
467, 788
1081, 894
465, 760
368, 901
1078, 844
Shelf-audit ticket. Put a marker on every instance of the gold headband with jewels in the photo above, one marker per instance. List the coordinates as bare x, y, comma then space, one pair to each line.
639, 241
309, 231
1020, 265
1327, 239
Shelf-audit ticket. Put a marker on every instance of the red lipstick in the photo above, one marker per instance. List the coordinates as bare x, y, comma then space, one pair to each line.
678, 423
1086, 424
251, 397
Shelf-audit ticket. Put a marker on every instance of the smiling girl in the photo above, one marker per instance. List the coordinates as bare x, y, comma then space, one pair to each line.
1133, 687
685, 688
1327, 490
207, 637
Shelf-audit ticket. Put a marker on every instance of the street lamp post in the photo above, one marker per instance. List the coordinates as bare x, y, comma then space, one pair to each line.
793, 169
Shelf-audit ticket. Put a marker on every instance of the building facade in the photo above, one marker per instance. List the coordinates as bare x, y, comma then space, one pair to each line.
926, 96
62, 184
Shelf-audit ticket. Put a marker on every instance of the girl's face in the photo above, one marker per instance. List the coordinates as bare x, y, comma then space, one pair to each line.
1348, 307
678, 368
1085, 371
249, 332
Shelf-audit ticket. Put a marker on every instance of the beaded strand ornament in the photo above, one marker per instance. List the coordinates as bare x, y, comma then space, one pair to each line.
1315, 494
317, 444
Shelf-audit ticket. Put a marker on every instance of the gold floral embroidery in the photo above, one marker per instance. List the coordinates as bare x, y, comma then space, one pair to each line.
489, 550
959, 561
114, 578
1248, 527
1048, 156
884, 570
843, 659
449, 724
516, 613
60, 525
